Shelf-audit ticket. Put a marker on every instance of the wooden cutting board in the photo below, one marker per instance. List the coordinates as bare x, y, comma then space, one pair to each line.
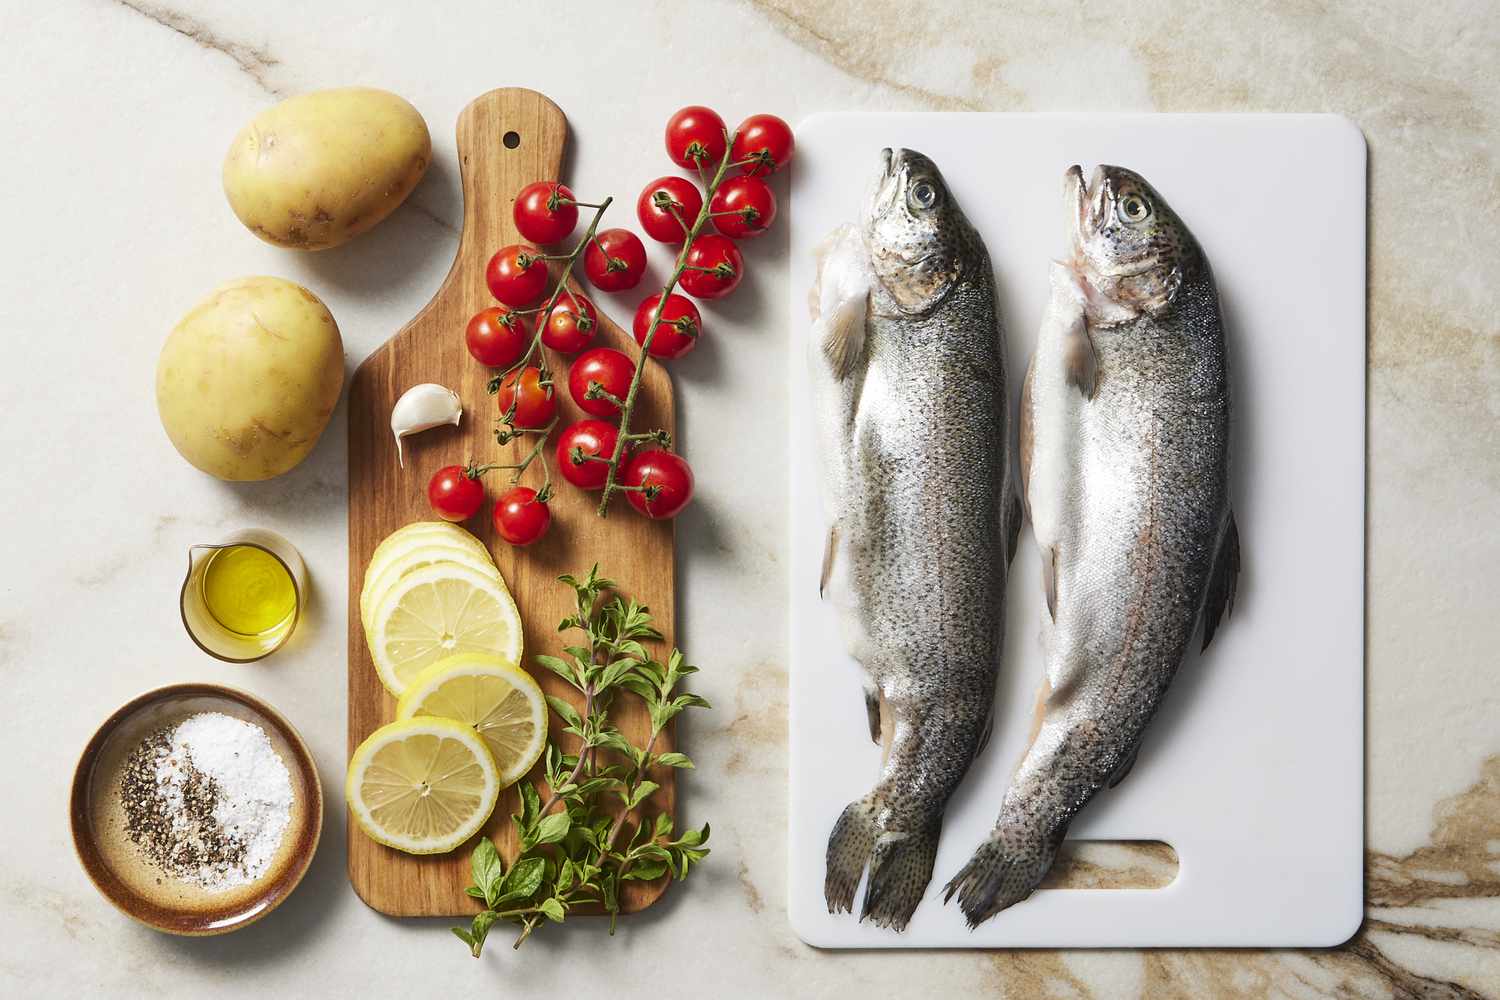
506, 139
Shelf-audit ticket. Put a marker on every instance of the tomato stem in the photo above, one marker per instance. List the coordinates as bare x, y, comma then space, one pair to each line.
627, 407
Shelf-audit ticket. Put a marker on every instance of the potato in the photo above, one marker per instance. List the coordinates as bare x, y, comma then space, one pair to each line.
246, 382
319, 169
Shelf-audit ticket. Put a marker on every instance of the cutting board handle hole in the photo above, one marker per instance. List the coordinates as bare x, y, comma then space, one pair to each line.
511, 139
1113, 864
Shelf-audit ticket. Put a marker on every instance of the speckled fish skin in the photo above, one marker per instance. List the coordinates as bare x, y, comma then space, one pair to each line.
918, 557
1125, 467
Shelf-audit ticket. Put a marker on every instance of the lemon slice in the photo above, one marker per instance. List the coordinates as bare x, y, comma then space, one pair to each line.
414, 537
437, 611
422, 553
497, 698
423, 786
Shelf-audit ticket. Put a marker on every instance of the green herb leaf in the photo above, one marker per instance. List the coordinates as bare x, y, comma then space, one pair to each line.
641, 793
552, 909
568, 713
646, 871
489, 870
674, 759
525, 877
553, 828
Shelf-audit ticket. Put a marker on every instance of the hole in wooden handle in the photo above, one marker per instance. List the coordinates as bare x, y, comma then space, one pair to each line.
511, 139
1113, 864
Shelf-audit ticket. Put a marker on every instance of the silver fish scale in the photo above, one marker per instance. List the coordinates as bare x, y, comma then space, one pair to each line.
926, 545
1151, 497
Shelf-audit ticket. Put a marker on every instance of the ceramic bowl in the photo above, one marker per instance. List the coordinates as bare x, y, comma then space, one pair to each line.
114, 864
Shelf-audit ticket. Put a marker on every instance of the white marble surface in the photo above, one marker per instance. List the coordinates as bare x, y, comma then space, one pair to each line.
119, 114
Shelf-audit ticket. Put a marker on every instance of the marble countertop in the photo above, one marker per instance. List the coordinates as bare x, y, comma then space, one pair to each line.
120, 113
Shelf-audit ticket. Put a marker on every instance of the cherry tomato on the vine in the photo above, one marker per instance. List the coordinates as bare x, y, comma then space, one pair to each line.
520, 518
571, 324
517, 275
678, 330
615, 260
497, 337
668, 482
766, 138
655, 206
714, 267
454, 494
611, 369
535, 403
581, 440
545, 212
695, 136
743, 207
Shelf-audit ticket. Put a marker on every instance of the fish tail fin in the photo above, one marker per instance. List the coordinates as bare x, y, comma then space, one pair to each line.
900, 864
900, 868
849, 848
1006, 868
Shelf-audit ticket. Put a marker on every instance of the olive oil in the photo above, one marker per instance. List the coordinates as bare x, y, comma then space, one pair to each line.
247, 590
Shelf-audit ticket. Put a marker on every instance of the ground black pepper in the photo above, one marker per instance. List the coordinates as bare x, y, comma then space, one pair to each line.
173, 822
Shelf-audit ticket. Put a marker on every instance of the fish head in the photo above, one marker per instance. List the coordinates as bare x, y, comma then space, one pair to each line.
919, 242
1128, 245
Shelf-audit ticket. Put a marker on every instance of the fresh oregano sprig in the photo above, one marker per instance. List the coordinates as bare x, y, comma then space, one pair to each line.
607, 831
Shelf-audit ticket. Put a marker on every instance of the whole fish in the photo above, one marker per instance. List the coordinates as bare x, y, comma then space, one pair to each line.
908, 372
1125, 467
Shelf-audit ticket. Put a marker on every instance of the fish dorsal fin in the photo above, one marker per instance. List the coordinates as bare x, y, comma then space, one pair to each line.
843, 331
1218, 600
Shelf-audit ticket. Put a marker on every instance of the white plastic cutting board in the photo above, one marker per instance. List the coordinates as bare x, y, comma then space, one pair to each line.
1253, 770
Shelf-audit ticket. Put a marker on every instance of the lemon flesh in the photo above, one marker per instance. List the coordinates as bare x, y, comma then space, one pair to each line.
437, 611
415, 536
497, 698
423, 786
419, 554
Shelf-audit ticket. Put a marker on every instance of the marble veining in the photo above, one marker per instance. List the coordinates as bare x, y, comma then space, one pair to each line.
117, 225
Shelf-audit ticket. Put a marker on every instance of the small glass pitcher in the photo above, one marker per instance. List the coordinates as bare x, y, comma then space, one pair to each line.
243, 596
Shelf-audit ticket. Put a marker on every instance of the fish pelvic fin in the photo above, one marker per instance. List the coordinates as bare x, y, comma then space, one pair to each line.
1013, 518
1049, 579
1006, 868
830, 548
900, 863
872, 711
1223, 582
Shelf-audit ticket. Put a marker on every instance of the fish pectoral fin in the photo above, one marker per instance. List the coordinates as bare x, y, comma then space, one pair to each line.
1049, 579
1124, 769
830, 548
1223, 582
844, 335
1080, 362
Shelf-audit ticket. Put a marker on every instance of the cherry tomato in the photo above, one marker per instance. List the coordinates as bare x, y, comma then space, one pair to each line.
571, 323
520, 518
652, 208
611, 369
743, 207
669, 482
535, 403
722, 259
695, 137
678, 330
545, 212
768, 139
516, 275
624, 265
454, 494
587, 437
497, 337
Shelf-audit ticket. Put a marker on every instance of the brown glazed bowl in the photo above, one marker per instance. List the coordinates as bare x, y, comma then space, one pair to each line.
110, 861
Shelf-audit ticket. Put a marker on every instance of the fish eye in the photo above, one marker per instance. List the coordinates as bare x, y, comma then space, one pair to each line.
924, 194
1132, 209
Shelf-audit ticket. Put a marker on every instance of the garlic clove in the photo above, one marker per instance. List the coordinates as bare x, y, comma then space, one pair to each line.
423, 407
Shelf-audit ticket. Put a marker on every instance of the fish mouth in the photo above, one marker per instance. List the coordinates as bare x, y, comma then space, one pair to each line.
1084, 201
889, 182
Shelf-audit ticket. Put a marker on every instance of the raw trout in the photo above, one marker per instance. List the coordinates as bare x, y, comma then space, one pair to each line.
1125, 468
908, 370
